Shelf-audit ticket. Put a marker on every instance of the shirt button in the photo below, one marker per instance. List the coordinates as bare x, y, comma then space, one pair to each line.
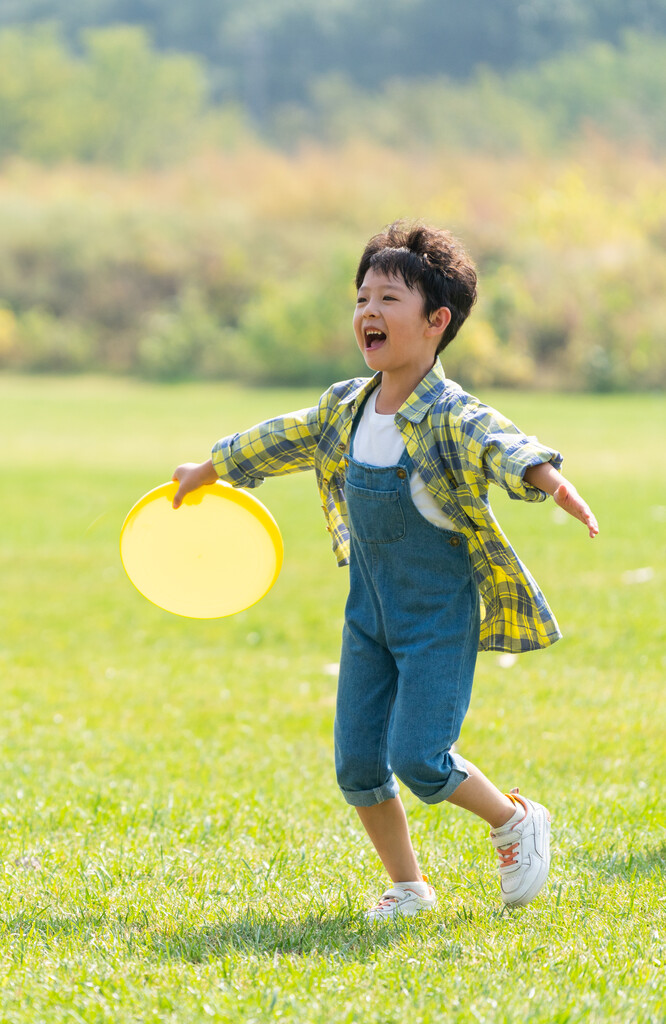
342, 446
402, 473
454, 542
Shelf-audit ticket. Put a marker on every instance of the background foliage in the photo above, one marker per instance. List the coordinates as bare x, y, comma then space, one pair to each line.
159, 219
240, 266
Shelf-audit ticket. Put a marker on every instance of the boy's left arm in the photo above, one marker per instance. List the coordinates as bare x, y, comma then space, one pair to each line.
546, 478
490, 444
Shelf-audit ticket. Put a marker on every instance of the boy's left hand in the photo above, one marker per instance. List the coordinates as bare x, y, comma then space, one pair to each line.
568, 498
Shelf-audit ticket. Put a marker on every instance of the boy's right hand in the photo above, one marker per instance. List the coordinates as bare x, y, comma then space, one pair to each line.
190, 476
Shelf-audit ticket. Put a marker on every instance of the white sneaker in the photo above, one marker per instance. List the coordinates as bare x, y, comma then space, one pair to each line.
401, 901
523, 848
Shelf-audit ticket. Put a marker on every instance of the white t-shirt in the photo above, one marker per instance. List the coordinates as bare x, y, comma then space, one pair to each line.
378, 442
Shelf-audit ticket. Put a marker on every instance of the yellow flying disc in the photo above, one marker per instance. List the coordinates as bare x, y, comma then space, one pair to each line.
219, 553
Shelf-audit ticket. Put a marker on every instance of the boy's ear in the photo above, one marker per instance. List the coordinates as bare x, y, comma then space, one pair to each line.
440, 319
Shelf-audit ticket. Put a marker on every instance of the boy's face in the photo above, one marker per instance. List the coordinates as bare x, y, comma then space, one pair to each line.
390, 327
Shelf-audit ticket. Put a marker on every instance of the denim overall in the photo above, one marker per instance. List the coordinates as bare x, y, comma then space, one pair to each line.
409, 643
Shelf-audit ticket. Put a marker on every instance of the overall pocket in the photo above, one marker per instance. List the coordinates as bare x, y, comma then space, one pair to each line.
375, 517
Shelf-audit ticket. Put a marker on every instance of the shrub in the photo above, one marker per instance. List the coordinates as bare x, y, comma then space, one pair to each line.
47, 344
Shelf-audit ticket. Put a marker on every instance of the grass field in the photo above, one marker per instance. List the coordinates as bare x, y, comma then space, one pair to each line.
174, 847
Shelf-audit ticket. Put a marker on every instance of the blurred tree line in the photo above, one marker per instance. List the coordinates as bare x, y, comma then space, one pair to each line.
266, 53
119, 101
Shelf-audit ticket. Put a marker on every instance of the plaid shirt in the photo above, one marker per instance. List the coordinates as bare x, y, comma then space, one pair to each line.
458, 445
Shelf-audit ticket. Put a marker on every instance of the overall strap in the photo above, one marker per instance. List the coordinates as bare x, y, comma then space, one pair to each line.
406, 461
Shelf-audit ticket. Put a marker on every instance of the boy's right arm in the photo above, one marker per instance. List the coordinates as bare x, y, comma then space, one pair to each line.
285, 444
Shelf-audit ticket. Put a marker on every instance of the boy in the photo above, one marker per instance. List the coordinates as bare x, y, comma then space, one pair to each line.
403, 461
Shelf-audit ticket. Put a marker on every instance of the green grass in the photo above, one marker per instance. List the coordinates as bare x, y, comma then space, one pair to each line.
174, 847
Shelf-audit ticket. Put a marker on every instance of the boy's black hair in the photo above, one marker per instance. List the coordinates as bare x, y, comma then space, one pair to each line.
429, 259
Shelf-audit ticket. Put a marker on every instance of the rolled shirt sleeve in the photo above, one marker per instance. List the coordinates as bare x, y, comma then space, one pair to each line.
497, 448
506, 466
285, 444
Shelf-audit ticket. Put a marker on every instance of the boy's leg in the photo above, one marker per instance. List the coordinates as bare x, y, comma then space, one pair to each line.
386, 825
520, 833
478, 795
366, 692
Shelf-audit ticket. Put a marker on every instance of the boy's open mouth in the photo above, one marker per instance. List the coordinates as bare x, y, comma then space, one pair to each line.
373, 338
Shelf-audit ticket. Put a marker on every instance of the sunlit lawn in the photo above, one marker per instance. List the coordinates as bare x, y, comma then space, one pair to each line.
174, 846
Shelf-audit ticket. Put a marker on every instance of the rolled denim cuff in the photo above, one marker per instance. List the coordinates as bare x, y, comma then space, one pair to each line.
458, 774
370, 797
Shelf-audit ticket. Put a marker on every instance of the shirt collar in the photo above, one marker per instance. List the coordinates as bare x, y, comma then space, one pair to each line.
419, 402
425, 394
362, 390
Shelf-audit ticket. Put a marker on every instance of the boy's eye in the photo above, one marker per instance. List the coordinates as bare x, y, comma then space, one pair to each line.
385, 298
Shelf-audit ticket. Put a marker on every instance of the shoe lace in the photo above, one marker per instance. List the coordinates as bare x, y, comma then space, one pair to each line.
508, 854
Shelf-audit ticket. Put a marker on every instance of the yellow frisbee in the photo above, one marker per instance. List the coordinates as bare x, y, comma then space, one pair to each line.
219, 553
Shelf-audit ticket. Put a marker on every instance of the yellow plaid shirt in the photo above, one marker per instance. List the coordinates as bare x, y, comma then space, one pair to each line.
458, 445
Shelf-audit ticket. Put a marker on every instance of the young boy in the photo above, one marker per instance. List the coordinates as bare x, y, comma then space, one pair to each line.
403, 460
